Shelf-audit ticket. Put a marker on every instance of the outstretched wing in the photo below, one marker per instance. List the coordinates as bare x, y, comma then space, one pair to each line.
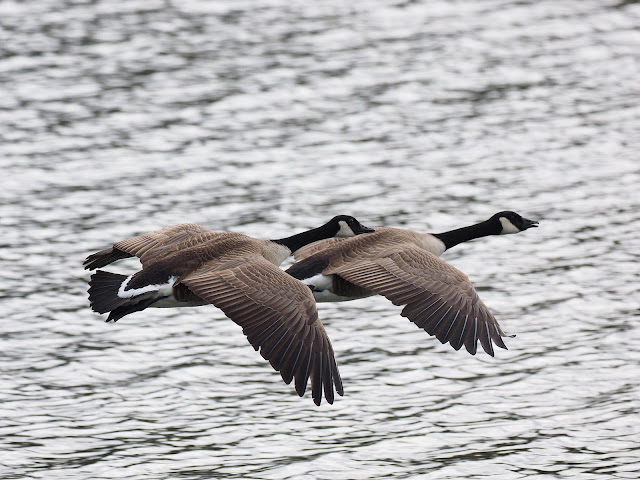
153, 245
279, 317
316, 247
437, 296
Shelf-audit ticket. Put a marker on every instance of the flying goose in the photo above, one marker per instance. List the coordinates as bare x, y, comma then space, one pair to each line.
403, 266
190, 265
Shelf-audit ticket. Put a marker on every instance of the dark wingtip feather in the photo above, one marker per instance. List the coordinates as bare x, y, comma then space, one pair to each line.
337, 382
498, 341
300, 388
327, 380
471, 337
485, 339
302, 373
471, 344
104, 258
289, 364
316, 379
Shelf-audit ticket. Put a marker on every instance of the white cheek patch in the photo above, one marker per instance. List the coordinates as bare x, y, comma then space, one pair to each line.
163, 289
508, 227
345, 230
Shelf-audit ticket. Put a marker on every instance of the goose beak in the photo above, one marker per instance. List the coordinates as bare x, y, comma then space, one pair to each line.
526, 223
364, 229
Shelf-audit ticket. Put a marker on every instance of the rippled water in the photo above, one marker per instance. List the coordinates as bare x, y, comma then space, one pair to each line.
268, 117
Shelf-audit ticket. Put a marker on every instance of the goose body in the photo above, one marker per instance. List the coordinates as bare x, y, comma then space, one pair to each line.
190, 265
404, 266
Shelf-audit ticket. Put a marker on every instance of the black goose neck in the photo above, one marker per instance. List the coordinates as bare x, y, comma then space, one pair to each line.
464, 234
299, 240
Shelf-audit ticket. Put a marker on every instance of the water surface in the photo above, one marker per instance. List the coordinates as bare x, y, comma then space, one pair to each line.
269, 117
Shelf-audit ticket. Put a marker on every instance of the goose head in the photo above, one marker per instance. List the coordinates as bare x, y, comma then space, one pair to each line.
512, 222
347, 226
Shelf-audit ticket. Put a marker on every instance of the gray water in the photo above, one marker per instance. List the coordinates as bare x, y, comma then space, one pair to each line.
268, 117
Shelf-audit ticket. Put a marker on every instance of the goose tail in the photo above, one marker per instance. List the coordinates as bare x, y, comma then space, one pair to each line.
104, 298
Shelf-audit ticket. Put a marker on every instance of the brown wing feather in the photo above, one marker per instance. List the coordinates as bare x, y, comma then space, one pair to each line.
153, 245
316, 247
278, 315
437, 296
361, 245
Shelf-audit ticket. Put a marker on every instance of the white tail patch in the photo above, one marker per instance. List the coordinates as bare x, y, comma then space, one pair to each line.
327, 296
320, 282
163, 289
323, 289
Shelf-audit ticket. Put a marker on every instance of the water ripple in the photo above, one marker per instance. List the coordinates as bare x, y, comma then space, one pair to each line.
268, 117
